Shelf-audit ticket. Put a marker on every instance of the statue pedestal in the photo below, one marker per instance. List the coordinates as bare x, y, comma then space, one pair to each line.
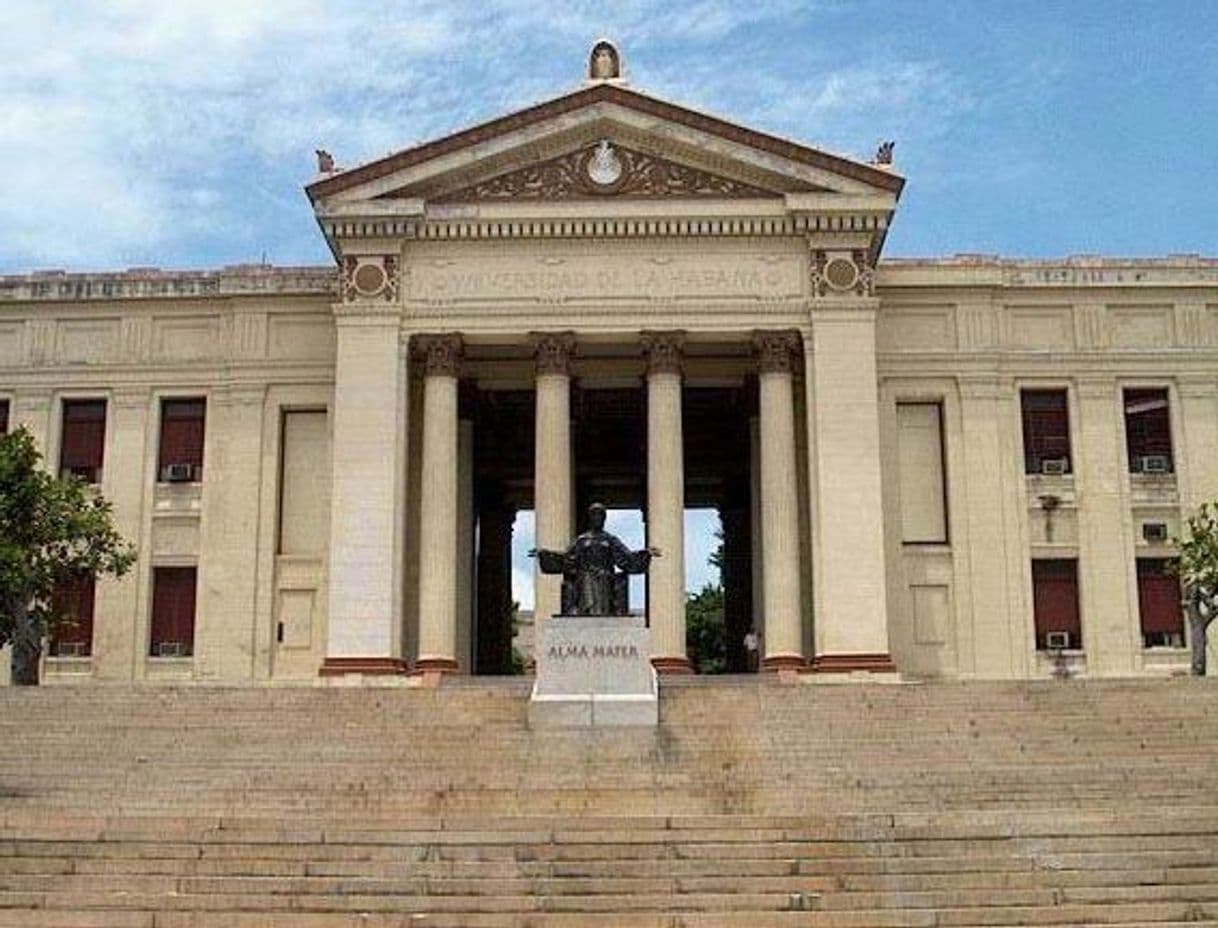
594, 671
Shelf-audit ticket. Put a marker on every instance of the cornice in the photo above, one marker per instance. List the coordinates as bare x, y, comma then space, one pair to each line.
155, 283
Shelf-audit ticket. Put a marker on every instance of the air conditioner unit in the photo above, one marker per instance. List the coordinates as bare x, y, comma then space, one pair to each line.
1057, 641
71, 649
1054, 466
178, 473
1154, 531
171, 649
87, 474
1153, 464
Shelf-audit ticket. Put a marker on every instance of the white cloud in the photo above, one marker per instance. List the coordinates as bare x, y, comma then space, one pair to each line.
140, 131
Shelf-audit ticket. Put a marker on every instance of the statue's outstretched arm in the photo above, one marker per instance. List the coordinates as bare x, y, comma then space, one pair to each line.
550, 562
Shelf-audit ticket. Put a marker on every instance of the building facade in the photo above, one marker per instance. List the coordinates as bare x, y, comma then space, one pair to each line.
956, 468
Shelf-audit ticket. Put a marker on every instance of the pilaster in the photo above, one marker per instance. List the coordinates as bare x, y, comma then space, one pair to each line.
1107, 590
850, 595
1198, 459
229, 534
366, 520
116, 623
995, 643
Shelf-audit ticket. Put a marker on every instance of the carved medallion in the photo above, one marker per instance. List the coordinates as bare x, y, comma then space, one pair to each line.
369, 278
601, 169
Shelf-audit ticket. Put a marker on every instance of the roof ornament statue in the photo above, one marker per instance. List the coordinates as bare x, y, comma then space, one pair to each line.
604, 62
883, 154
325, 161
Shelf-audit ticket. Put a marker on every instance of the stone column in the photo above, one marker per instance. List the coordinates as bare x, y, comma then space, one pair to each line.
779, 500
666, 502
438, 514
1106, 573
552, 496
116, 650
367, 491
850, 595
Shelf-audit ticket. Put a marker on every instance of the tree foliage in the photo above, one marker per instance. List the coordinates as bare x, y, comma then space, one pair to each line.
51, 530
706, 630
705, 622
1198, 564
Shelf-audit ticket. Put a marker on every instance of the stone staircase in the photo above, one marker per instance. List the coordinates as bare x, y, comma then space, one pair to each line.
753, 804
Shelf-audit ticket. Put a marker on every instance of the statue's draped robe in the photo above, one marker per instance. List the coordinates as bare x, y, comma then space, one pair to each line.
591, 582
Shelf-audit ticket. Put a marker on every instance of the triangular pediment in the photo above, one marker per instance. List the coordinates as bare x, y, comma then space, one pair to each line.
604, 141
604, 169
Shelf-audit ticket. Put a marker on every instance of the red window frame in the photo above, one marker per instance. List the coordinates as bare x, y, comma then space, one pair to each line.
1055, 601
1159, 607
82, 443
183, 424
172, 632
1046, 427
1147, 426
72, 605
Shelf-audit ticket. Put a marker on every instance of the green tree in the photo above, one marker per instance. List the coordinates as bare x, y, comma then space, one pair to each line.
705, 629
705, 624
51, 530
1198, 572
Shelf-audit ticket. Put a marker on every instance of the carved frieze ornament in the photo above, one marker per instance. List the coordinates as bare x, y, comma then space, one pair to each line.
665, 351
553, 351
775, 351
441, 354
840, 273
601, 169
370, 277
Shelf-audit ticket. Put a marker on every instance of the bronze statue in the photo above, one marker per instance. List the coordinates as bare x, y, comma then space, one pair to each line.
595, 569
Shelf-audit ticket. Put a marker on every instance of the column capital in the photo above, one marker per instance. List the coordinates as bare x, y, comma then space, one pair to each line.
775, 350
552, 352
441, 354
665, 351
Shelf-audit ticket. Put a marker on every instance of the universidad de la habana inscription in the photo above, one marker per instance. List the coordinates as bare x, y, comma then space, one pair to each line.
624, 275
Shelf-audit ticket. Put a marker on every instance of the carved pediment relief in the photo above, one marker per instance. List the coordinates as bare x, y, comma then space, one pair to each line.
604, 169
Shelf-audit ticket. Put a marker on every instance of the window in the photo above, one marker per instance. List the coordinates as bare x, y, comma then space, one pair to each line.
83, 441
1055, 604
1046, 432
173, 612
1148, 432
1159, 603
72, 623
3, 417
181, 454
923, 489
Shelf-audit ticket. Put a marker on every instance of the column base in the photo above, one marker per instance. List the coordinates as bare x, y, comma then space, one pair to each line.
426, 665
368, 666
853, 663
774, 663
672, 665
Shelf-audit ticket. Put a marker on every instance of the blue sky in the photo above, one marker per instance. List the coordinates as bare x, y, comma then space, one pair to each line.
141, 132
179, 134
